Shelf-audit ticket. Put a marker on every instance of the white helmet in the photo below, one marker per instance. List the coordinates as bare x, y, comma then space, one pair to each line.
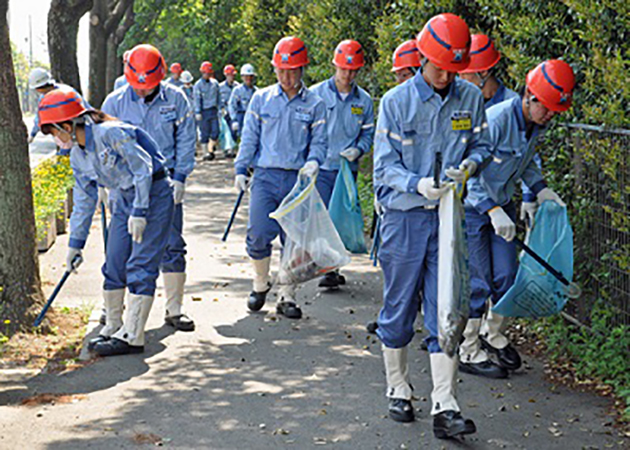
247, 69
186, 77
39, 77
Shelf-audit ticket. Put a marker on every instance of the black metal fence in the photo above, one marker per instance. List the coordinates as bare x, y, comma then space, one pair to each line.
591, 166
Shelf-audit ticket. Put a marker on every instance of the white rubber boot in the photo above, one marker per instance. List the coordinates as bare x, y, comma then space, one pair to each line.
397, 373
470, 351
114, 304
174, 290
138, 309
492, 330
444, 376
262, 279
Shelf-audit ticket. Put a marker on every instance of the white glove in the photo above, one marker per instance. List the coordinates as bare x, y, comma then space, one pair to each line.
548, 194
459, 175
136, 227
310, 169
102, 195
528, 209
31, 139
377, 207
198, 117
71, 263
425, 188
179, 189
503, 225
241, 182
351, 154
235, 126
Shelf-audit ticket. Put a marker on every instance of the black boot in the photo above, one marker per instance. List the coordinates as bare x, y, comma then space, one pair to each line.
401, 410
256, 300
289, 310
209, 157
372, 327
114, 346
92, 343
181, 322
507, 357
486, 369
329, 281
448, 424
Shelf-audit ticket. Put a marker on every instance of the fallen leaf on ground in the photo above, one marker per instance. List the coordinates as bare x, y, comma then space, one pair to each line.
45, 399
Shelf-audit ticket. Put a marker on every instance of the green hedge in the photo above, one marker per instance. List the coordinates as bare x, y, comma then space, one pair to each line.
51, 180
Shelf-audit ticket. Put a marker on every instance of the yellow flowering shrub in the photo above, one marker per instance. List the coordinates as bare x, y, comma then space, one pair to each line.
51, 180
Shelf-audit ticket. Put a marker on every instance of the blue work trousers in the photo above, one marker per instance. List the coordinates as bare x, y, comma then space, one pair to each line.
174, 259
409, 259
209, 125
269, 188
129, 264
492, 260
240, 118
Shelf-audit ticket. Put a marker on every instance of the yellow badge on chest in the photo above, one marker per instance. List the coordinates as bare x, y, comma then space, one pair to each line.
357, 110
461, 121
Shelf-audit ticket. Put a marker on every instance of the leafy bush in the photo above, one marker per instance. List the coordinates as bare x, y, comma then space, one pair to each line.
51, 180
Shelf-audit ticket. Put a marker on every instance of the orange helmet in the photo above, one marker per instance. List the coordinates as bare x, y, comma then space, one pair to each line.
483, 55
290, 53
176, 68
552, 83
206, 67
60, 105
229, 70
145, 67
445, 41
406, 55
348, 55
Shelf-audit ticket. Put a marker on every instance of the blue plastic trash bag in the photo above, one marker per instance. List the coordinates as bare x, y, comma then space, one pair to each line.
537, 293
312, 246
226, 141
345, 210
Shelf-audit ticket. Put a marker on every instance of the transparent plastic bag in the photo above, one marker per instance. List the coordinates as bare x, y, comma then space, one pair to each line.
345, 210
535, 292
312, 246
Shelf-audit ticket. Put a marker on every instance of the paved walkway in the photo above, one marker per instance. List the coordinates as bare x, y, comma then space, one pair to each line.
255, 381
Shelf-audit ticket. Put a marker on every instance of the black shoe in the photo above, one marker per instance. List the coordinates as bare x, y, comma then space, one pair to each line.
341, 279
289, 310
114, 346
92, 343
329, 281
448, 424
256, 300
230, 155
424, 346
181, 322
103, 319
507, 357
401, 410
372, 327
486, 369
209, 157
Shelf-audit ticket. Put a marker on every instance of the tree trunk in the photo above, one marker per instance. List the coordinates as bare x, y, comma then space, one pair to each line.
63, 26
20, 287
104, 18
112, 63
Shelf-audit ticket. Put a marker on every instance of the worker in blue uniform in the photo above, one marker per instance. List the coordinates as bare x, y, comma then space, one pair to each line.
350, 123
285, 131
123, 158
207, 100
240, 98
165, 113
433, 112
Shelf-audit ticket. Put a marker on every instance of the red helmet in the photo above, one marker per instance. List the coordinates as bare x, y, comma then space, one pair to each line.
406, 55
483, 55
145, 67
176, 68
348, 55
229, 70
206, 67
445, 41
290, 53
60, 105
552, 83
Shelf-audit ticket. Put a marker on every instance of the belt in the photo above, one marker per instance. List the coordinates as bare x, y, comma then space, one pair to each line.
160, 175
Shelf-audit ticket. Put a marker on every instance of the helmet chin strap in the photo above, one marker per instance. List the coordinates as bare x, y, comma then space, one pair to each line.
483, 80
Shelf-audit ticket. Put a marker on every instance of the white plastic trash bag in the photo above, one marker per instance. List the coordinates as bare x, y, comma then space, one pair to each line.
312, 246
453, 304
